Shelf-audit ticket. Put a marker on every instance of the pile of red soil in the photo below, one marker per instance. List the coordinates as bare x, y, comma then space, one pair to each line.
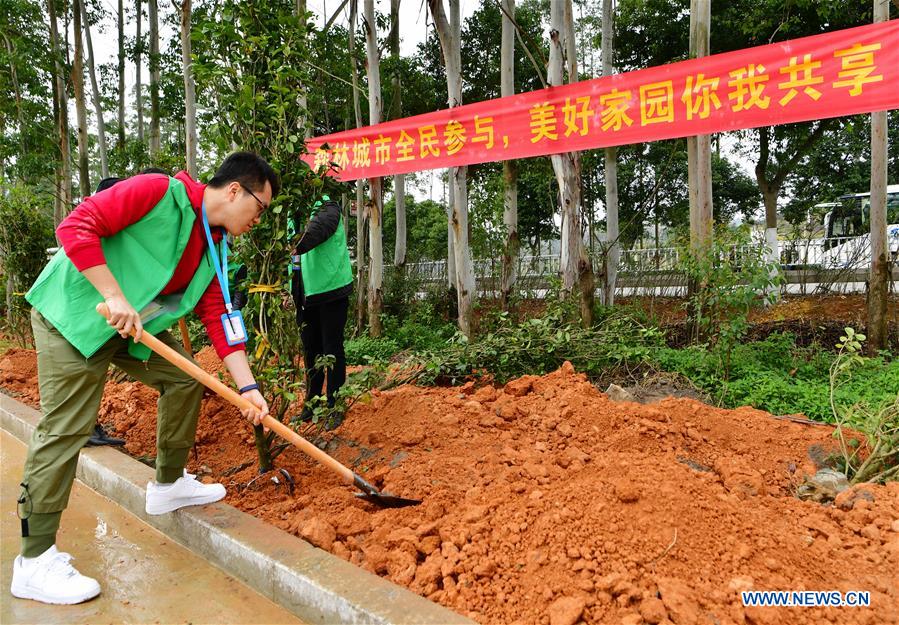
545, 502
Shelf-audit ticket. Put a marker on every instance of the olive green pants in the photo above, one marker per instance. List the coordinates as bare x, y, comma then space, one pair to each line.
71, 388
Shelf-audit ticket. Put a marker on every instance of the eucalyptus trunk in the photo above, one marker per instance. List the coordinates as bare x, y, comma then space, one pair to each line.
190, 94
138, 59
154, 78
121, 32
612, 251
396, 112
84, 174
577, 270
361, 246
449, 32
880, 265
63, 200
699, 148
512, 243
98, 105
376, 204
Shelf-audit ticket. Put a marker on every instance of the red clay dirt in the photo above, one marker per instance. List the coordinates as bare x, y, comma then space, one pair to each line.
547, 503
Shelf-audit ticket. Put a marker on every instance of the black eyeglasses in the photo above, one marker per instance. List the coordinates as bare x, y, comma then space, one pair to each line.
262, 206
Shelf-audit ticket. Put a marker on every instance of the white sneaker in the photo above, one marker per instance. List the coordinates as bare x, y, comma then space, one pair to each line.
51, 579
185, 491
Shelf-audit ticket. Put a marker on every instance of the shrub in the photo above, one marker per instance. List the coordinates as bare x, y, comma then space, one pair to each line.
878, 422
26, 231
731, 276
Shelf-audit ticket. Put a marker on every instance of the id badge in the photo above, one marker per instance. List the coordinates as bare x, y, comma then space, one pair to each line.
235, 331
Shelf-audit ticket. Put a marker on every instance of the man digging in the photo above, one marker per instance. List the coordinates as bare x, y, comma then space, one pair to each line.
152, 244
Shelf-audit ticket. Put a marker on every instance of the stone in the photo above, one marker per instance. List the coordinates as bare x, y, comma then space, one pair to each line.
520, 387
485, 394
319, 532
566, 611
429, 571
352, 521
507, 411
412, 436
402, 535
679, 601
653, 610
871, 532
849, 498
616, 393
626, 492
473, 407
823, 486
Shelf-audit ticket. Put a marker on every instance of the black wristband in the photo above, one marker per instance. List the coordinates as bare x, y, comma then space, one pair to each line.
248, 387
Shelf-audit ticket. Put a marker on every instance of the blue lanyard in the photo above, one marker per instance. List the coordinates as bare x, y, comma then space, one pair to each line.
221, 269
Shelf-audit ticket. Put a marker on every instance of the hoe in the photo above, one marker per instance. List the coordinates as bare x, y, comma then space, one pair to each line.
369, 493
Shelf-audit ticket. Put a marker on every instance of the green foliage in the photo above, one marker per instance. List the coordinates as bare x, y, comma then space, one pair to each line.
26, 231
732, 276
134, 156
540, 345
27, 128
420, 330
363, 349
425, 230
877, 421
356, 389
777, 376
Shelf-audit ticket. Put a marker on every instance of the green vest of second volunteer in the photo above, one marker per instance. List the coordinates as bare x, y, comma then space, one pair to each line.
326, 267
143, 258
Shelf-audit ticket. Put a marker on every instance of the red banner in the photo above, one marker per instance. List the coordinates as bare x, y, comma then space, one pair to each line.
841, 73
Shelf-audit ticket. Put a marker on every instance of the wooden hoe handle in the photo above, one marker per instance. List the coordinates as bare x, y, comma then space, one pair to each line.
210, 381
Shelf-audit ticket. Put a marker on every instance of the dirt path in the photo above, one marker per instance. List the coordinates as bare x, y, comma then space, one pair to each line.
545, 502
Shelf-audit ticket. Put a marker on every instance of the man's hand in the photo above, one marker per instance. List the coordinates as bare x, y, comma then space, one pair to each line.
261, 410
123, 317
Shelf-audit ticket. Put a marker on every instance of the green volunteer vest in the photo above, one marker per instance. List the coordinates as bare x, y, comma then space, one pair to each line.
327, 266
143, 258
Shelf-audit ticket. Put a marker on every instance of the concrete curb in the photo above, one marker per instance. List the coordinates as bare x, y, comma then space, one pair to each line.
313, 584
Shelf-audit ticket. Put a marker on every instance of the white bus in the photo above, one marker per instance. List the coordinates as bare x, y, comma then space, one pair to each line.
847, 227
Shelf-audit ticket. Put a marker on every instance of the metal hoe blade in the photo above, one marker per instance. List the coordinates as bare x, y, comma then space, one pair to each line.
385, 500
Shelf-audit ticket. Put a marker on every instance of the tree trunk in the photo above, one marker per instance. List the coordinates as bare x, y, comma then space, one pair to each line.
450, 34
375, 226
396, 112
512, 244
10, 49
577, 271
63, 200
138, 59
360, 200
612, 249
450, 195
121, 25
84, 174
770, 190
878, 285
154, 78
190, 95
699, 148
302, 97
98, 104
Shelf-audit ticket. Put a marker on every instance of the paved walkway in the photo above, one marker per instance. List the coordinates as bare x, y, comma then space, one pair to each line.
146, 578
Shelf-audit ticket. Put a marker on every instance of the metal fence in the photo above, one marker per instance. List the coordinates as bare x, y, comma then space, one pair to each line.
808, 265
